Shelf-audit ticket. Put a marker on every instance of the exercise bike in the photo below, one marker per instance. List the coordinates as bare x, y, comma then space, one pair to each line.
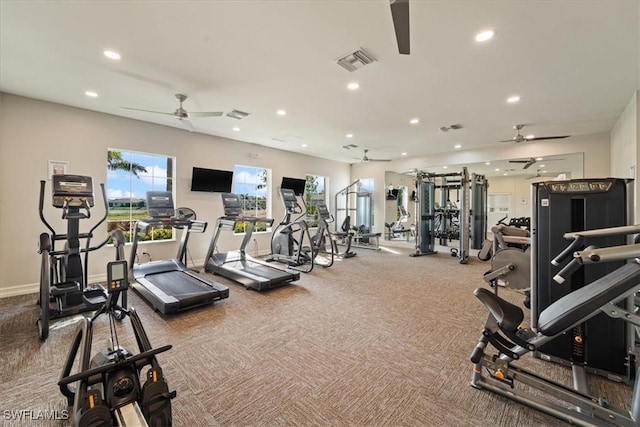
64, 288
109, 390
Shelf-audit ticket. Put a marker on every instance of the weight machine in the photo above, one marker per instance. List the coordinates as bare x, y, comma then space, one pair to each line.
466, 222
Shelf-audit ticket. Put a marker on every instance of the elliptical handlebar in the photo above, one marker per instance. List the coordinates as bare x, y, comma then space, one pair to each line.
43, 183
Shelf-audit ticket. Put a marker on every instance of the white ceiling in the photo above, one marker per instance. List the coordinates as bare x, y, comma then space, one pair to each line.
574, 63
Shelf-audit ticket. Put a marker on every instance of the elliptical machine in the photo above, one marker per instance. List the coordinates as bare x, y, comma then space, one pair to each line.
64, 289
109, 390
291, 242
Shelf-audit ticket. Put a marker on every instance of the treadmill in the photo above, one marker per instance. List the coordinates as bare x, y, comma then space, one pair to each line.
237, 265
168, 285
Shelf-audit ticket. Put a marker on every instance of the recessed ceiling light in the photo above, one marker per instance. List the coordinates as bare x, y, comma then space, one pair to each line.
414, 121
542, 166
236, 129
112, 54
444, 167
487, 163
505, 174
281, 112
497, 169
349, 135
539, 158
457, 146
544, 171
530, 136
513, 99
91, 94
353, 86
483, 36
303, 145
404, 153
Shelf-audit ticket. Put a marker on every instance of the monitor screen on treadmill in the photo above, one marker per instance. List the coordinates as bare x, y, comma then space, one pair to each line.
160, 204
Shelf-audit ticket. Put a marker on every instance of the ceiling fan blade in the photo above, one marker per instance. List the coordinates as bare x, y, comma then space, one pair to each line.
519, 161
379, 160
400, 15
508, 140
529, 163
187, 123
540, 138
149, 111
206, 114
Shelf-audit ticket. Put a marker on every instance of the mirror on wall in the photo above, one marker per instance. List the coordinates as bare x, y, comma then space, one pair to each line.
509, 187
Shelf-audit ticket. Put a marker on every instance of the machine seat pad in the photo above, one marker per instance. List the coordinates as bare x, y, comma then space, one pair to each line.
507, 315
579, 304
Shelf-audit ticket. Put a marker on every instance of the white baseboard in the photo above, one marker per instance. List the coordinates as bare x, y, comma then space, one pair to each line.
34, 288
12, 291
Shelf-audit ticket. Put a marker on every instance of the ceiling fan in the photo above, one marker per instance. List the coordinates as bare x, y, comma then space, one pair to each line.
531, 161
181, 114
541, 175
365, 158
400, 15
521, 138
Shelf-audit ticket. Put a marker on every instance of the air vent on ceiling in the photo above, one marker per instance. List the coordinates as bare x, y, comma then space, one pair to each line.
356, 60
448, 128
287, 137
236, 114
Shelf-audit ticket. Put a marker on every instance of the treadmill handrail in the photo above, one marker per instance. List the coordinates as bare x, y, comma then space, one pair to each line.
227, 220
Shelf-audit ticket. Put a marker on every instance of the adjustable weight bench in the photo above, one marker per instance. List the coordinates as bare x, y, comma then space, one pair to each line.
612, 294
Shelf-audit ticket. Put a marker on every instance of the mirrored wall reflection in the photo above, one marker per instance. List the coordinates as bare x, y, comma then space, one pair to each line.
509, 188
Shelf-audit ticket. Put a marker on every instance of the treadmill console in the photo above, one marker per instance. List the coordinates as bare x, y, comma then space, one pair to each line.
290, 200
72, 191
160, 204
232, 205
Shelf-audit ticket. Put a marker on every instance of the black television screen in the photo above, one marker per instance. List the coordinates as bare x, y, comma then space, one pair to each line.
211, 180
295, 184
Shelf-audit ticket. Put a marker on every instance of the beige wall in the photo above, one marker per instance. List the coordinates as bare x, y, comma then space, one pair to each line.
33, 132
625, 155
594, 147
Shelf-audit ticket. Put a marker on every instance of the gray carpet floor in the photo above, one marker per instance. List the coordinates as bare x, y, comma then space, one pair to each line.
381, 339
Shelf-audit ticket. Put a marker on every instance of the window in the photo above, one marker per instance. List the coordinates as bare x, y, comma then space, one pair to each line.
314, 191
129, 176
252, 185
364, 205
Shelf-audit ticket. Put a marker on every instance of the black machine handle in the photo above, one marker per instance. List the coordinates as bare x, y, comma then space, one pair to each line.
578, 241
574, 265
478, 351
111, 366
41, 208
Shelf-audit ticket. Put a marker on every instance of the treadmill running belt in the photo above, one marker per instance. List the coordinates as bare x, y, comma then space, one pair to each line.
178, 284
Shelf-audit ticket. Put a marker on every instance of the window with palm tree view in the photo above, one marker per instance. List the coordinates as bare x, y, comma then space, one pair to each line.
129, 176
314, 191
252, 185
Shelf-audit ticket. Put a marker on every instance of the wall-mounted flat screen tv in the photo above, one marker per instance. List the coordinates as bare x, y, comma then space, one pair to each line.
211, 180
295, 184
